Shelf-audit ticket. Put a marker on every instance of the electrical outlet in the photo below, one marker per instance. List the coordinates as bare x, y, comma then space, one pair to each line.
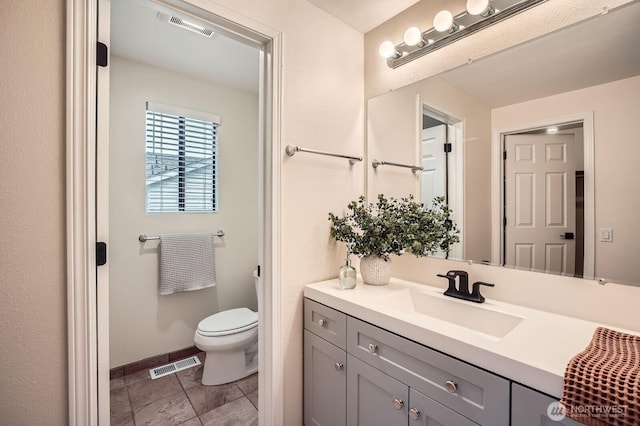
606, 235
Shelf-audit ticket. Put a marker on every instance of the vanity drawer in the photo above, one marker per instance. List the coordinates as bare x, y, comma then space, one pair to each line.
477, 394
325, 322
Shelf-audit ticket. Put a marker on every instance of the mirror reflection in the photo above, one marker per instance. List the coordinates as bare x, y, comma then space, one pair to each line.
535, 149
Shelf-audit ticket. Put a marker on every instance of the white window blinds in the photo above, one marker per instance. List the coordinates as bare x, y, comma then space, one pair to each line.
181, 149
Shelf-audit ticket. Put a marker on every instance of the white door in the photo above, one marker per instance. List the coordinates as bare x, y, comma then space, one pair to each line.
432, 160
540, 202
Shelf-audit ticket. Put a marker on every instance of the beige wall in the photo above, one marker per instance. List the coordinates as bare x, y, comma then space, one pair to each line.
33, 337
143, 323
543, 18
615, 109
392, 125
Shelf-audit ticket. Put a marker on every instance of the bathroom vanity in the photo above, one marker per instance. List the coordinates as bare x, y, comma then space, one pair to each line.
405, 354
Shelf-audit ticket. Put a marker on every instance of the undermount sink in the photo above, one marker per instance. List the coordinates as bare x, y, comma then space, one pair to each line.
469, 315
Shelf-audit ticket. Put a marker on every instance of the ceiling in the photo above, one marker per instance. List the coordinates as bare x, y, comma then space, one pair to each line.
603, 49
363, 15
138, 34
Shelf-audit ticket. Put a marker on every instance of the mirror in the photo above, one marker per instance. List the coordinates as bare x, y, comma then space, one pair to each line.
584, 80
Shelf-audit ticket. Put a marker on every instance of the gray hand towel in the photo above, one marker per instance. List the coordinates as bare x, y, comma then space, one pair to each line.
187, 262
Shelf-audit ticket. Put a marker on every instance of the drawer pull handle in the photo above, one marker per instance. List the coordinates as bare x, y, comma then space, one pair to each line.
398, 404
322, 323
414, 414
451, 386
338, 366
373, 348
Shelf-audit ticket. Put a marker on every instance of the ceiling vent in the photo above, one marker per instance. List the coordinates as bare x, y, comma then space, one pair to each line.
191, 26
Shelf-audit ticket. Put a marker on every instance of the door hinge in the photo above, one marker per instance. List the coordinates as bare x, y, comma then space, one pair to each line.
258, 271
504, 221
447, 147
504, 155
101, 253
102, 55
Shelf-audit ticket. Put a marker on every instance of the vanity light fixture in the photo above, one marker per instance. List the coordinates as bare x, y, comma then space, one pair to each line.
448, 28
444, 22
388, 50
480, 7
413, 37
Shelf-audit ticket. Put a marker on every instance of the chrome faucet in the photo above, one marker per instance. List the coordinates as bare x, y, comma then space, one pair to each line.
462, 290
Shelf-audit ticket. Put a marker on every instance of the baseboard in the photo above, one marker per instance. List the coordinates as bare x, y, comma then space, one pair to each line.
153, 361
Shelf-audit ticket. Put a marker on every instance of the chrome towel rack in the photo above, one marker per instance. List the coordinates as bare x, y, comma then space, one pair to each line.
376, 163
291, 151
144, 238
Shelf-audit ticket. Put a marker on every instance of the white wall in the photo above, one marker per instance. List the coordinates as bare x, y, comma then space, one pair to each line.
393, 120
615, 109
143, 323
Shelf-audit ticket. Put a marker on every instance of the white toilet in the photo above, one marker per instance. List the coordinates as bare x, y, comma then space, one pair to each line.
230, 340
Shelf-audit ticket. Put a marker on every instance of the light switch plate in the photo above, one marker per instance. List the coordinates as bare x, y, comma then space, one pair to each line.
606, 235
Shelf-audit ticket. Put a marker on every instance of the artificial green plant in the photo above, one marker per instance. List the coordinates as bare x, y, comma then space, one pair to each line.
392, 226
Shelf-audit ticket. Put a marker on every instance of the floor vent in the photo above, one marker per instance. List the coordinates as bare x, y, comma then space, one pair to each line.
174, 367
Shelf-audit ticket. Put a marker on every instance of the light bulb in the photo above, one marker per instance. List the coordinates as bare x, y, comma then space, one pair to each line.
443, 21
387, 49
413, 36
477, 7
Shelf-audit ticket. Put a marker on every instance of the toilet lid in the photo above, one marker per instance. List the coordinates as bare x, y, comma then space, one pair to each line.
228, 322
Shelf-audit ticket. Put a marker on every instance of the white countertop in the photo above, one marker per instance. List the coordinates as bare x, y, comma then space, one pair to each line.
535, 353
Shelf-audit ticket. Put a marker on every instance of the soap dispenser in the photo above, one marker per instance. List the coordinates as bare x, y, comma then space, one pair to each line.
347, 276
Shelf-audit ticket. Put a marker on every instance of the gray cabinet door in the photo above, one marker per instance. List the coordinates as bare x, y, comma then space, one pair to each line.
424, 411
373, 398
476, 394
325, 382
529, 408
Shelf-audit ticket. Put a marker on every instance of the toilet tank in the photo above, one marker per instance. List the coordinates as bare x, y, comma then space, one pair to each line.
256, 281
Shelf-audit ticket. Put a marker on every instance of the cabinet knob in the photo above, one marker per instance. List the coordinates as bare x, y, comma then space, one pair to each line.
322, 323
451, 386
373, 348
414, 414
398, 404
338, 366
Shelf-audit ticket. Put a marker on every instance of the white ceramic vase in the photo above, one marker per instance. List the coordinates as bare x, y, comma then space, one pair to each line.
375, 270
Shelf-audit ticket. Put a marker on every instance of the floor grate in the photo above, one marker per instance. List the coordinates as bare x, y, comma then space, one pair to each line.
165, 370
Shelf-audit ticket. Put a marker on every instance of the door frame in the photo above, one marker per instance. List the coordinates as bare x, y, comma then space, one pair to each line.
455, 164
497, 175
88, 351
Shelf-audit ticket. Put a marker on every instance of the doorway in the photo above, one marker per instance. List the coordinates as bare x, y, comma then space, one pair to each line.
87, 132
183, 148
441, 149
542, 209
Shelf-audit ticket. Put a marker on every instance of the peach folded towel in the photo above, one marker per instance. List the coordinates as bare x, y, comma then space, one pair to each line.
602, 383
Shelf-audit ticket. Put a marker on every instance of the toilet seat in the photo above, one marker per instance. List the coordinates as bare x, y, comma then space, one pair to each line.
228, 322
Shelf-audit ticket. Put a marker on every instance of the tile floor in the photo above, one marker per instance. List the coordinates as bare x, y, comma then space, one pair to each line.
180, 399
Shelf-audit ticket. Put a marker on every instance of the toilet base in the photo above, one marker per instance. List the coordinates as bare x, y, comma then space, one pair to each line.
227, 367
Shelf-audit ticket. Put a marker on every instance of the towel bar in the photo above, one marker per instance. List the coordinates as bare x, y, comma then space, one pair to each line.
143, 238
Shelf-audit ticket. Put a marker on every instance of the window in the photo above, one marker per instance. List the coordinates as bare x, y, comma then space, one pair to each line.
181, 150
